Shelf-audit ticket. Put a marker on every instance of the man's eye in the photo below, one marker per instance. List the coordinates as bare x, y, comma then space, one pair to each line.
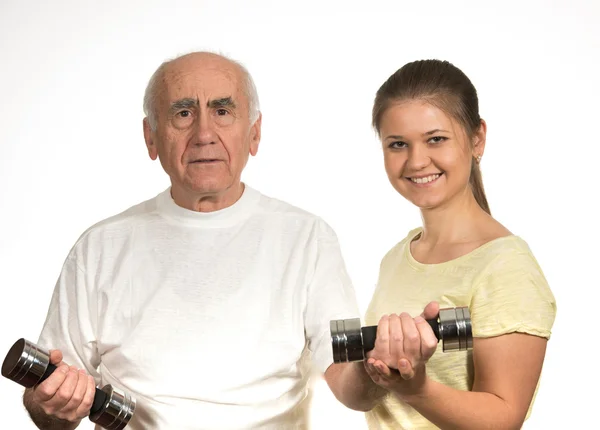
222, 112
184, 113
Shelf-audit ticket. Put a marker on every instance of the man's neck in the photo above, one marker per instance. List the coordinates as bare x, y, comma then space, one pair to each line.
208, 202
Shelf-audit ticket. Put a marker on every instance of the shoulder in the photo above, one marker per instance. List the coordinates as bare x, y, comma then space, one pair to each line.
510, 271
276, 206
511, 292
117, 226
507, 253
277, 212
398, 249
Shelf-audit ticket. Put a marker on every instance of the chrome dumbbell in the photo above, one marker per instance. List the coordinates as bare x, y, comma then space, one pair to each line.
28, 365
351, 342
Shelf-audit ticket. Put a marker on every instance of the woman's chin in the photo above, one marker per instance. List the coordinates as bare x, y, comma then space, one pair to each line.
427, 203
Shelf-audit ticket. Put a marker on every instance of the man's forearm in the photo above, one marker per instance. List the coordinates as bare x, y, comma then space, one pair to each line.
353, 387
39, 417
449, 408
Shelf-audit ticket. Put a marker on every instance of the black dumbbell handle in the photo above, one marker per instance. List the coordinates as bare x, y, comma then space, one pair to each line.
100, 397
370, 333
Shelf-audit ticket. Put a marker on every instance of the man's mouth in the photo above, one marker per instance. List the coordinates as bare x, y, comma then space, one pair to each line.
204, 160
425, 179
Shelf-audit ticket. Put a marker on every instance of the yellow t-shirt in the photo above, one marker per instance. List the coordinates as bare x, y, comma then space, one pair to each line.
501, 283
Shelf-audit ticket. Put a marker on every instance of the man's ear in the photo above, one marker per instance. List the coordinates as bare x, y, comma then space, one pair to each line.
255, 133
149, 138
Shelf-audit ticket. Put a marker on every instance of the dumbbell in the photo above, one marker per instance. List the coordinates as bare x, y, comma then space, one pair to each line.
351, 342
28, 365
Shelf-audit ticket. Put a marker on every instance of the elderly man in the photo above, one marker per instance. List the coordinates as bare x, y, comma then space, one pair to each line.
211, 302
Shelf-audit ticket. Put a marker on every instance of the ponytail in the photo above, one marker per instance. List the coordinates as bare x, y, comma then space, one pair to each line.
476, 183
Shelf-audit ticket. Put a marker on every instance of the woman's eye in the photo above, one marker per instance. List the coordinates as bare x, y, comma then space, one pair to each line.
397, 145
438, 139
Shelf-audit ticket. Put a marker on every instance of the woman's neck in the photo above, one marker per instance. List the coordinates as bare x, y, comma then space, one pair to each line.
454, 222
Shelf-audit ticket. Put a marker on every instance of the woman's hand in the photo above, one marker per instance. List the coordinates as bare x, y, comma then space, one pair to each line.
402, 347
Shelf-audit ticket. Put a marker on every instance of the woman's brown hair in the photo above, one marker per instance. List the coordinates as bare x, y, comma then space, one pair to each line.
444, 86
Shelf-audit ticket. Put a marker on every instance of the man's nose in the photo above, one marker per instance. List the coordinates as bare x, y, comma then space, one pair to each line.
205, 132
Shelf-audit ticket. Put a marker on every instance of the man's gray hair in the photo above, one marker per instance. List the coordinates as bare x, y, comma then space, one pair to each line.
151, 93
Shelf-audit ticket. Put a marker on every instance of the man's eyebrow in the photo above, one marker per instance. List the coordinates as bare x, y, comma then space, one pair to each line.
222, 102
186, 103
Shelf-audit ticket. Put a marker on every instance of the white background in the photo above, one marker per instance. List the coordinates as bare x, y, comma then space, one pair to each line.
72, 76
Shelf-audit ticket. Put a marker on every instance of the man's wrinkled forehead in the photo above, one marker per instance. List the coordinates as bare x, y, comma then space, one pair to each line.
202, 82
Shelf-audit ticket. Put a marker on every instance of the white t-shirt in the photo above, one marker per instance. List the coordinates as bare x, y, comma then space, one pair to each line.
210, 320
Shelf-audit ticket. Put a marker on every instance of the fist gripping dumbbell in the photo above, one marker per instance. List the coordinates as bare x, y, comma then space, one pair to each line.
27, 364
350, 342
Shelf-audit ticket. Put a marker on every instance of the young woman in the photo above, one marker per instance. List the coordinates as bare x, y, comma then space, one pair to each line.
426, 115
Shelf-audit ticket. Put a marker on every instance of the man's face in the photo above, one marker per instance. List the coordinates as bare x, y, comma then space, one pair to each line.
203, 136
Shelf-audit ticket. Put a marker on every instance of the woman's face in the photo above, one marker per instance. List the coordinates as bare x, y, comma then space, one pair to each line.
427, 153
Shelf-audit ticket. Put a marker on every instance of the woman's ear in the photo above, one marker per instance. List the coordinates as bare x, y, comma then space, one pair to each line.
479, 140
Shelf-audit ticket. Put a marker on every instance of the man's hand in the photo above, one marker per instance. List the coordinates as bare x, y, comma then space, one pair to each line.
402, 347
67, 393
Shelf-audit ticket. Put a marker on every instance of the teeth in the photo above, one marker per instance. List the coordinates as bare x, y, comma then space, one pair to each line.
425, 180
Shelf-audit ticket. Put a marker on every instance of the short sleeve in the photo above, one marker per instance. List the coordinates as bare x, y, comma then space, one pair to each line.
512, 295
330, 296
71, 320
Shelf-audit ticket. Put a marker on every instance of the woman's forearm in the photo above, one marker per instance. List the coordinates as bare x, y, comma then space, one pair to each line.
449, 408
